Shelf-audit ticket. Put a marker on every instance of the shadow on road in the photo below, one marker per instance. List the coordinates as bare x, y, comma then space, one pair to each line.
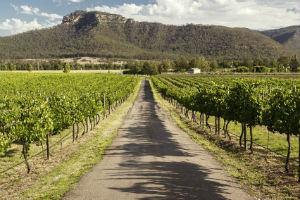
154, 158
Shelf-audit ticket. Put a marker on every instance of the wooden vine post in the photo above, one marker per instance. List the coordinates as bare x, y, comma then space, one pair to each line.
104, 113
295, 89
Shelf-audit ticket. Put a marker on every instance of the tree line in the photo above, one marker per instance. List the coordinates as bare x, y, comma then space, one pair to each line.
53, 65
153, 67
282, 64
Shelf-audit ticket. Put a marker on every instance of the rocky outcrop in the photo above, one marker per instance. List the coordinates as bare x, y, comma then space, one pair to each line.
81, 18
73, 18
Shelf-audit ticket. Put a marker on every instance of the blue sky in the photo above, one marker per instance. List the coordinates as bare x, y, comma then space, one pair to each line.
23, 15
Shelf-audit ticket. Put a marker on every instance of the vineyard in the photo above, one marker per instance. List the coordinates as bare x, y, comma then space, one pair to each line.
272, 103
35, 107
257, 117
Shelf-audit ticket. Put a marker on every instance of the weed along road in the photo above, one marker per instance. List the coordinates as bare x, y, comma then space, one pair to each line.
151, 158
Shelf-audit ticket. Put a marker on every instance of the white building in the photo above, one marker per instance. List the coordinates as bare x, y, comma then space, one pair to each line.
194, 71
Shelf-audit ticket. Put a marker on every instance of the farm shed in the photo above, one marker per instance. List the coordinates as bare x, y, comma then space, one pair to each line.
194, 71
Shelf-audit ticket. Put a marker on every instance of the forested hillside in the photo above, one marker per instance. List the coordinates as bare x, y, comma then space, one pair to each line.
288, 37
106, 35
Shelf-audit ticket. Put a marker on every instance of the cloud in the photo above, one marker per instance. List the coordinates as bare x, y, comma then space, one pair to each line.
76, 1
57, 2
255, 14
15, 25
29, 10
41, 20
36, 11
16, 8
294, 10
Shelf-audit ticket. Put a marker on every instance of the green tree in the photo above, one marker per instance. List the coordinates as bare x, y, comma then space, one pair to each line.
227, 64
242, 69
12, 67
284, 60
258, 62
181, 64
134, 67
201, 63
213, 65
280, 68
56, 64
249, 63
164, 66
150, 68
294, 64
274, 64
30, 67
67, 68
267, 62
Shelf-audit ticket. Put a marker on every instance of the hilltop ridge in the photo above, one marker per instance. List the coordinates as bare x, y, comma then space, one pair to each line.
100, 34
289, 37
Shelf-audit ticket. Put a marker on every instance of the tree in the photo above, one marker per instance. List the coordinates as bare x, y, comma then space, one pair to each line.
274, 64
3, 67
164, 66
67, 68
150, 68
181, 64
56, 64
201, 63
280, 68
30, 67
242, 69
12, 67
294, 64
214, 65
258, 62
284, 60
226, 64
249, 63
134, 67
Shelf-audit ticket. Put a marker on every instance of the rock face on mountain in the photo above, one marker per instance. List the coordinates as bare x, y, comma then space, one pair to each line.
83, 19
100, 34
288, 37
73, 18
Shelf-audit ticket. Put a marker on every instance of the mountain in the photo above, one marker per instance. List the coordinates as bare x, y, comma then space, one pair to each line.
98, 34
289, 37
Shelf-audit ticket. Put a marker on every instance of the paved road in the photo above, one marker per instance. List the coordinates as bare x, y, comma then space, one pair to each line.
151, 158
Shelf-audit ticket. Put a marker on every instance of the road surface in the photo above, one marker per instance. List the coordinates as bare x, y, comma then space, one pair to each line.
151, 158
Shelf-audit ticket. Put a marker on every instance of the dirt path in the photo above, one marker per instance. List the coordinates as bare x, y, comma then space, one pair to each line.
152, 158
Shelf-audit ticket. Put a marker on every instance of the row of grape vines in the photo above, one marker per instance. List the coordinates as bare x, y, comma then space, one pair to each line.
272, 102
33, 107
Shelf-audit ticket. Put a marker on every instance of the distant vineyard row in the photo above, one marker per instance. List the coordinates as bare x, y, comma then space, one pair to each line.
35, 106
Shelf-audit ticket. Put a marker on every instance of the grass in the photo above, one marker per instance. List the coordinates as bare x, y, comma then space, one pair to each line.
50, 179
64, 177
13, 156
274, 141
261, 174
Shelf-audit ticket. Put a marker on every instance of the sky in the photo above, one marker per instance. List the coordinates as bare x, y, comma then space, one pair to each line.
18, 16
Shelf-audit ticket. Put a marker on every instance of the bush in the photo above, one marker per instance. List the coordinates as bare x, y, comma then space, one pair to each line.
30, 67
261, 69
242, 69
